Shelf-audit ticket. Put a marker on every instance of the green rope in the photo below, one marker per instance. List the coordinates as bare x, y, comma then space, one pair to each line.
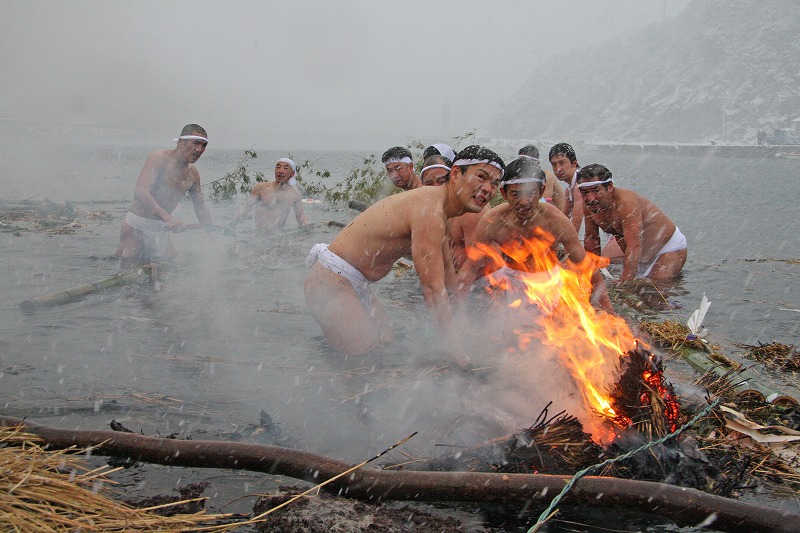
547, 512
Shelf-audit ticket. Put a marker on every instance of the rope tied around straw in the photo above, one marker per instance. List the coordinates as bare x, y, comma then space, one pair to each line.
551, 511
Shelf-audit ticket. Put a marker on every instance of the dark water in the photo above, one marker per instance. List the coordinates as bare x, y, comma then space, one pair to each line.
228, 335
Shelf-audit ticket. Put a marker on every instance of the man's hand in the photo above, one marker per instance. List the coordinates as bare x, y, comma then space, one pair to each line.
173, 224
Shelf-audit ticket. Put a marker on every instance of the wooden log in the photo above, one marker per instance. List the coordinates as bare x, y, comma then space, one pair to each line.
76, 293
683, 505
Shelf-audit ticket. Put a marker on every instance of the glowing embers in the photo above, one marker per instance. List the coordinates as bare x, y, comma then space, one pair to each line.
642, 398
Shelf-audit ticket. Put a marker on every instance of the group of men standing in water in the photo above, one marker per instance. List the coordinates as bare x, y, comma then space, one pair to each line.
441, 217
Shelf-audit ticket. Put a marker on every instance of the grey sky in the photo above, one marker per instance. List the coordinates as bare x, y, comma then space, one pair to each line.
294, 74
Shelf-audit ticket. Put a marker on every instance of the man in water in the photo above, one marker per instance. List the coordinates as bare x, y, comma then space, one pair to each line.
553, 193
461, 228
435, 170
400, 168
166, 177
274, 199
652, 246
527, 231
413, 222
565, 167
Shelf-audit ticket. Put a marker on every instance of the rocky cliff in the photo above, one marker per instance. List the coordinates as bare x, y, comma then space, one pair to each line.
718, 72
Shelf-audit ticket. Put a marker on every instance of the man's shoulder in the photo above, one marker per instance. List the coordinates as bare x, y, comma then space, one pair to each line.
261, 186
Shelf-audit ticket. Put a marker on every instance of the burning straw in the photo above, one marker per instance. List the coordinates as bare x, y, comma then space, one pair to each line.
43, 490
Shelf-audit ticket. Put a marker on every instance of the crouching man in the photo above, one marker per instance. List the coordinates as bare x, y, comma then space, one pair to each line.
520, 237
412, 222
652, 246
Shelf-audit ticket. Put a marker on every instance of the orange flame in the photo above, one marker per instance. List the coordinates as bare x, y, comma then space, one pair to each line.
587, 342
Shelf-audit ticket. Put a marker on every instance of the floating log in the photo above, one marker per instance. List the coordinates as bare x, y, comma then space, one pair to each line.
681, 504
76, 293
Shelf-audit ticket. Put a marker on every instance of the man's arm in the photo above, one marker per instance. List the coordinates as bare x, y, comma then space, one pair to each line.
450, 281
591, 236
577, 210
299, 212
246, 206
631, 216
559, 198
199, 203
468, 272
578, 257
569, 200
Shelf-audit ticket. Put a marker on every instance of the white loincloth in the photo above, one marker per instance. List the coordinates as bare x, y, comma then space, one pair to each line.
675, 243
155, 238
548, 287
337, 265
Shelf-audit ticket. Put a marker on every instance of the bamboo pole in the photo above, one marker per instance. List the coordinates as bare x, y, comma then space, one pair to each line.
685, 506
76, 293
748, 378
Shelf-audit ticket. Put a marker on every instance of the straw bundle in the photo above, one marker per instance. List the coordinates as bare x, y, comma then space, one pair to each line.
46, 491
672, 336
784, 356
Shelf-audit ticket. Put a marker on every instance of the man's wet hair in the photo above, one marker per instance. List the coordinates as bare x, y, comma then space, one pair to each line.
529, 150
436, 159
193, 128
396, 152
563, 149
475, 151
594, 172
432, 151
523, 168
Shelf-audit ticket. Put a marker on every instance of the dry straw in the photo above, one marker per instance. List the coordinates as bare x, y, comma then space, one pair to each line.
54, 491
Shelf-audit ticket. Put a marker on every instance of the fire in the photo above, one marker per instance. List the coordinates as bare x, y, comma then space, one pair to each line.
589, 343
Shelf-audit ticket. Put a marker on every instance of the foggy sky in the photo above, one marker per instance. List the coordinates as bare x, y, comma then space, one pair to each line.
294, 74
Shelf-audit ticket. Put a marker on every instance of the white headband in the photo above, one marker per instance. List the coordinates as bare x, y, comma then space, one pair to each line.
421, 172
293, 179
586, 184
523, 180
445, 150
468, 162
190, 138
530, 157
398, 160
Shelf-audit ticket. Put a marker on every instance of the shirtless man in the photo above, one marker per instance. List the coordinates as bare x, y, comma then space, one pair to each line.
652, 245
166, 177
435, 170
527, 231
400, 168
565, 167
273, 200
337, 285
553, 193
